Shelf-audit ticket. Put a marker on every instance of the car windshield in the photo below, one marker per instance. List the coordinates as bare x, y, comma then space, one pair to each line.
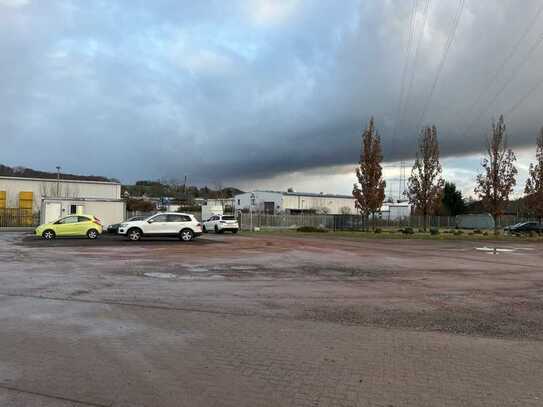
134, 218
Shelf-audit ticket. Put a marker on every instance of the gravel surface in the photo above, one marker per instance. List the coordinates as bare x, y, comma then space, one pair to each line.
269, 320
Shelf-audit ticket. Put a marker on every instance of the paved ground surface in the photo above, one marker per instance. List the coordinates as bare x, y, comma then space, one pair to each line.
269, 321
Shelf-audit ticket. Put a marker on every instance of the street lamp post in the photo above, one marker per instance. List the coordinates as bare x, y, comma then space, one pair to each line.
58, 181
251, 210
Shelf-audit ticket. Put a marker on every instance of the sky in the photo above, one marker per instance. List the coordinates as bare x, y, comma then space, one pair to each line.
264, 94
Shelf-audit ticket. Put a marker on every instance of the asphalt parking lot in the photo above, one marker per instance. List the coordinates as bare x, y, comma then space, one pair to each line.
269, 320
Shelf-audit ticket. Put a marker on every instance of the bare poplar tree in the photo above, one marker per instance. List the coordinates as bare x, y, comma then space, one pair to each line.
425, 183
369, 191
496, 183
534, 183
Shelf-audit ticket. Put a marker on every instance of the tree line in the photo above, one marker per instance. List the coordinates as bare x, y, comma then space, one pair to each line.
426, 186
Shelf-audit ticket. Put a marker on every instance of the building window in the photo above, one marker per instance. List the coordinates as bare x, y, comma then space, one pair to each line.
73, 209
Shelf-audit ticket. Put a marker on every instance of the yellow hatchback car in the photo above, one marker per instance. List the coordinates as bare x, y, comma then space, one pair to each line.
73, 225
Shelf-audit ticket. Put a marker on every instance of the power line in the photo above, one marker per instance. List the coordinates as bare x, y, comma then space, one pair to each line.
523, 98
500, 68
404, 72
514, 73
411, 80
402, 182
448, 45
406, 64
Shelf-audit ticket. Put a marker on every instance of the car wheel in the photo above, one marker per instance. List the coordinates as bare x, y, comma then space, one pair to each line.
234, 231
186, 235
204, 229
134, 235
92, 234
48, 234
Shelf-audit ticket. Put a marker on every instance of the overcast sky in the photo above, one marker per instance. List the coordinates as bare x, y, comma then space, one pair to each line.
262, 93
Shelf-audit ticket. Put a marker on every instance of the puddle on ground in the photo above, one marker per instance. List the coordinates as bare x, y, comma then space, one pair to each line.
160, 275
494, 250
198, 269
209, 277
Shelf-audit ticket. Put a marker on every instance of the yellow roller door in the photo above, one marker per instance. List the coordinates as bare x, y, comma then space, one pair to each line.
26, 200
2, 199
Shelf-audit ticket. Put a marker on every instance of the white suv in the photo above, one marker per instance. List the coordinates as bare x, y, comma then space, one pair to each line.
181, 225
220, 223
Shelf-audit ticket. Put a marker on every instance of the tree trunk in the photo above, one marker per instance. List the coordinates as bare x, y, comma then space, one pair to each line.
496, 218
424, 221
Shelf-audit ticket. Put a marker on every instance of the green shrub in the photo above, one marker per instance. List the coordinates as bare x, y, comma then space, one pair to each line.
311, 229
434, 231
408, 231
485, 233
377, 230
458, 232
477, 232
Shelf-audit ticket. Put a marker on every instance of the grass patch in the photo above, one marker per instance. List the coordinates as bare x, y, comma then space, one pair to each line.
392, 233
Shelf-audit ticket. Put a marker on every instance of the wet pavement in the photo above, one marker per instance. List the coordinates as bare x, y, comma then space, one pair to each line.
269, 320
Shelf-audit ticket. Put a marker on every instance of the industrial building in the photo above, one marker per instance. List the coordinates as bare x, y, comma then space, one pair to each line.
23, 198
273, 202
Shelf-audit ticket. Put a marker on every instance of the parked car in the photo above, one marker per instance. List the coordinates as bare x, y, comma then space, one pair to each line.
182, 225
115, 227
221, 223
524, 227
72, 225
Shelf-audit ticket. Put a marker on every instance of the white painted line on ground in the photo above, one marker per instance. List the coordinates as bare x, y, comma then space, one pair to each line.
160, 275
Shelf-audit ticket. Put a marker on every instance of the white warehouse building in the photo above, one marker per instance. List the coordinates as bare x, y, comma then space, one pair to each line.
274, 202
54, 198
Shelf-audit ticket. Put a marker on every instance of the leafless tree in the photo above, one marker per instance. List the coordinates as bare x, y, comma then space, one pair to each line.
425, 184
496, 183
369, 191
534, 183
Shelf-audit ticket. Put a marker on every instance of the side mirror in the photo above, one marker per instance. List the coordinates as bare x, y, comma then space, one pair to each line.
150, 221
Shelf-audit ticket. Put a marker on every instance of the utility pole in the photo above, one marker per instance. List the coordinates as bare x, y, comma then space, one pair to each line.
185, 190
58, 181
252, 201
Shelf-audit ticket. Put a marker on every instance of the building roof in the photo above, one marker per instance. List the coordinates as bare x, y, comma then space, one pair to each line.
313, 194
86, 181
308, 194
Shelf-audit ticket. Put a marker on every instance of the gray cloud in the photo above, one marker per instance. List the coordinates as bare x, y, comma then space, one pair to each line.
244, 90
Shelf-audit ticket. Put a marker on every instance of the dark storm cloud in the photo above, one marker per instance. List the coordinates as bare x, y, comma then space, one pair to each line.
236, 90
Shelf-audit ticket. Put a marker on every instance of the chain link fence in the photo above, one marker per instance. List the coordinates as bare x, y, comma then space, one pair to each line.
354, 222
